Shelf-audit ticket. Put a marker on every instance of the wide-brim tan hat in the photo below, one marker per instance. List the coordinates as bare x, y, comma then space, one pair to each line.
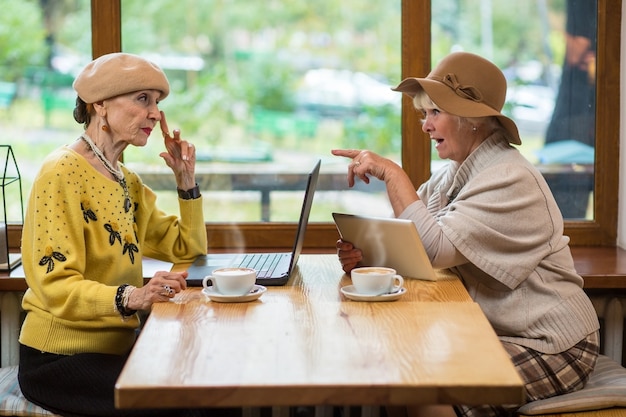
465, 85
119, 73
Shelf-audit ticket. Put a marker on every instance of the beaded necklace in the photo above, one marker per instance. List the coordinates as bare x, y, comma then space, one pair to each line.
117, 173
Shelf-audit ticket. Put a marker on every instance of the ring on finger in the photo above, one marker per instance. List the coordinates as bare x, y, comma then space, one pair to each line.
357, 163
167, 291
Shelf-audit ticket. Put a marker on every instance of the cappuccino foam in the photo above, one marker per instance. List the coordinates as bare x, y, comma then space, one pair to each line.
377, 271
233, 271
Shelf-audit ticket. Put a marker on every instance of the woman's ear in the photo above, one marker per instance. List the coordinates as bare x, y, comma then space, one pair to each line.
100, 108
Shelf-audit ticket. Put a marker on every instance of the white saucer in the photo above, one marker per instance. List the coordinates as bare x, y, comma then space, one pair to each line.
350, 292
254, 293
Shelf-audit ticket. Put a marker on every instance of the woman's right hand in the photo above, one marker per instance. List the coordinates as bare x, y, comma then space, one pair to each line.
349, 256
180, 156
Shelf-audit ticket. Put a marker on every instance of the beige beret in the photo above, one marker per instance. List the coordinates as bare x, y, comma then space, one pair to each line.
119, 73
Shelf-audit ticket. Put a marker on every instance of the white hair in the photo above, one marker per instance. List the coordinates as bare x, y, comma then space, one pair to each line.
422, 102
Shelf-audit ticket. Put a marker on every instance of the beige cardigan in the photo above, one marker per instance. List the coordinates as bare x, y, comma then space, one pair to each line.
497, 210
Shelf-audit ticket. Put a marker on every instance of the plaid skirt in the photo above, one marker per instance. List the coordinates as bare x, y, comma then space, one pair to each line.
544, 375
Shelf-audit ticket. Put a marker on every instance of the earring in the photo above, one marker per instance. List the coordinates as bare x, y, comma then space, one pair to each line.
474, 128
105, 128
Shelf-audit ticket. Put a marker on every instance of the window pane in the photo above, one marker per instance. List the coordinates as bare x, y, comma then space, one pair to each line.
547, 51
264, 89
46, 44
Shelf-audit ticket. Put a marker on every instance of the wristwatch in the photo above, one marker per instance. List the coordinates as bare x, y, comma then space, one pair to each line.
190, 194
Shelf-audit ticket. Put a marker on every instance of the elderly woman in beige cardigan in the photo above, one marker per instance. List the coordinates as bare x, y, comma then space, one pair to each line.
490, 217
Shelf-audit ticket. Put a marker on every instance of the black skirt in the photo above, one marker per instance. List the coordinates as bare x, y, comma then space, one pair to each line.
83, 385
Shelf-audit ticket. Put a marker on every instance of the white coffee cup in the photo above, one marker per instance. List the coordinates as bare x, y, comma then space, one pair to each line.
231, 281
373, 280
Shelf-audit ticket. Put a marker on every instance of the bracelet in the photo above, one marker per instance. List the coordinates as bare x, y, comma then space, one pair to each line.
190, 194
121, 300
126, 296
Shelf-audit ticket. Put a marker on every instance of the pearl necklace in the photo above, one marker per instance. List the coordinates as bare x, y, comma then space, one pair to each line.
118, 174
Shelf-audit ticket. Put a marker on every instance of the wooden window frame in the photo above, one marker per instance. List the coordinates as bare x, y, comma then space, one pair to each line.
416, 17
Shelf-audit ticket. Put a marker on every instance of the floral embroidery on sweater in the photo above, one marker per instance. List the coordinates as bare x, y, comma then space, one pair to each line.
49, 257
130, 247
114, 233
87, 211
113, 229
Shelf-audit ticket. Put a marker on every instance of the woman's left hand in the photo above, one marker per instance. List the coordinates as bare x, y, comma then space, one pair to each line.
365, 163
163, 286
180, 156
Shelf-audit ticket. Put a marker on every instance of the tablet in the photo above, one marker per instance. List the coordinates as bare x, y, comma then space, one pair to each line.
389, 242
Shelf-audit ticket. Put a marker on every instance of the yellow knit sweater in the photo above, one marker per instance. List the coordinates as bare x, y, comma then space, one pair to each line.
79, 245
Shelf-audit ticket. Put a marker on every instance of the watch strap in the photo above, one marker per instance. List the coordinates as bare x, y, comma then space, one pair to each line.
190, 194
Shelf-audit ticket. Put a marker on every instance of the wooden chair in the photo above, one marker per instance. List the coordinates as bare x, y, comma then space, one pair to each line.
608, 412
12, 401
603, 396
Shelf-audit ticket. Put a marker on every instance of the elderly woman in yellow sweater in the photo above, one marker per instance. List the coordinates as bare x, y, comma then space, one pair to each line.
89, 222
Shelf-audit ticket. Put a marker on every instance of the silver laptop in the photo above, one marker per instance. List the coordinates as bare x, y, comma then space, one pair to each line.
389, 242
272, 268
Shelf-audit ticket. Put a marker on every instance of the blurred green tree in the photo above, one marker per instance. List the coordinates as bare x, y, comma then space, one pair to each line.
22, 38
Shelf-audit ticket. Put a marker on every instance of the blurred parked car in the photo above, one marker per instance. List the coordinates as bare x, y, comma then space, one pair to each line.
531, 106
331, 92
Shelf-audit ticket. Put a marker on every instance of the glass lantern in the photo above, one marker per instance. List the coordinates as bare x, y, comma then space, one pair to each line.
12, 207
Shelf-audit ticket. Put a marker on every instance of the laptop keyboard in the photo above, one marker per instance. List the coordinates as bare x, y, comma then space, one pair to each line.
264, 263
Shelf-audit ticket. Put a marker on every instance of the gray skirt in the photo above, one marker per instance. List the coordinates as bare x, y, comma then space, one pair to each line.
544, 375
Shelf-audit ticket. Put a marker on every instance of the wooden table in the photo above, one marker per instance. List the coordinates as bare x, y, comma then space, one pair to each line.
304, 344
